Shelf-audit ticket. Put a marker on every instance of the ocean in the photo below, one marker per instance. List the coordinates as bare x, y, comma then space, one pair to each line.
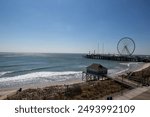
21, 69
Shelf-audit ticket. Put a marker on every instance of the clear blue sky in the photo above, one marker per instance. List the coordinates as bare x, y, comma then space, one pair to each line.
66, 26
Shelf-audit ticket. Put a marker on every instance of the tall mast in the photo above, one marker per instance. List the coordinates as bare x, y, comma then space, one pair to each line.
103, 48
98, 48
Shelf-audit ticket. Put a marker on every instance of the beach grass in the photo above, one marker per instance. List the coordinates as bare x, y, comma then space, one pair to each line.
79, 91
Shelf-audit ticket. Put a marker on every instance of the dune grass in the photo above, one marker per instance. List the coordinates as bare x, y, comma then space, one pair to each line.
80, 91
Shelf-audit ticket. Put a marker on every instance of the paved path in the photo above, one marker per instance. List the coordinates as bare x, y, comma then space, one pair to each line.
143, 96
135, 94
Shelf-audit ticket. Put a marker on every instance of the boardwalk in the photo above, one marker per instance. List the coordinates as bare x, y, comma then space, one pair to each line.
137, 93
124, 81
140, 93
143, 96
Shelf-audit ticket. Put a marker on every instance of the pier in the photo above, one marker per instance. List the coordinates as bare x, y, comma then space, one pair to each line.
119, 57
125, 48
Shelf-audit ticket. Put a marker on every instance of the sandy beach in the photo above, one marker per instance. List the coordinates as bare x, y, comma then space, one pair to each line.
8, 92
144, 66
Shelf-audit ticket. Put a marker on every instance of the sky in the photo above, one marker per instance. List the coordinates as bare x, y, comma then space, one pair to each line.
73, 26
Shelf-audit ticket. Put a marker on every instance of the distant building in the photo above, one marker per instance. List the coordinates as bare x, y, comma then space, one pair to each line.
95, 72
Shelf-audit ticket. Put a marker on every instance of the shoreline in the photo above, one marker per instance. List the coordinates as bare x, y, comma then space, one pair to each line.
9, 91
146, 65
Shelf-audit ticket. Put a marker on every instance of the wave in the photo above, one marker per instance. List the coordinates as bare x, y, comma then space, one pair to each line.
6, 66
58, 76
123, 71
132, 66
124, 68
29, 70
129, 63
6, 72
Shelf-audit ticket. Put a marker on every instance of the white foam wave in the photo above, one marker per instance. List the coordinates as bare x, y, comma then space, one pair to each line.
122, 71
3, 73
130, 66
39, 75
129, 63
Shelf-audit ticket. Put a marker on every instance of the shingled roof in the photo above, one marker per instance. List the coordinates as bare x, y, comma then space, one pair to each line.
96, 67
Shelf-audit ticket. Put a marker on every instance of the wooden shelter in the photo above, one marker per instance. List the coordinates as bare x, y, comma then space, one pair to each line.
95, 72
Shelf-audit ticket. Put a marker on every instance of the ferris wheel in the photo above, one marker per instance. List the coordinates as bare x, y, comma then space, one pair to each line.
126, 46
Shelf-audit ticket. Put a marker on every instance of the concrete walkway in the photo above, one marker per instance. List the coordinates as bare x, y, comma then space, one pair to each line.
134, 94
143, 96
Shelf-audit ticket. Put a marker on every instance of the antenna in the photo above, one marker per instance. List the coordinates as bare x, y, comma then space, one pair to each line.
103, 48
98, 48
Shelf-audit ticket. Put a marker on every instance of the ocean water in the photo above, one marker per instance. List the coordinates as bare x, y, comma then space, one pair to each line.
20, 69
